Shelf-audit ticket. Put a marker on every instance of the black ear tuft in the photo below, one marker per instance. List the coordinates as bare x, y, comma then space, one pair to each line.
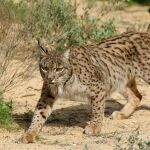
43, 51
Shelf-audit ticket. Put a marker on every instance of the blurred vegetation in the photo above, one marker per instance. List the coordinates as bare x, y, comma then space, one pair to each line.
57, 21
141, 2
128, 2
133, 142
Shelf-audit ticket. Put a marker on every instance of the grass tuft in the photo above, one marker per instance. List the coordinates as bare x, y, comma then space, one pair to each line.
86, 147
133, 142
6, 120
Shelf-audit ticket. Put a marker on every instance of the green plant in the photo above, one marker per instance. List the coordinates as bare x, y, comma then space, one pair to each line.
117, 141
6, 120
39, 138
133, 142
5, 111
86, 147
107, 30
57, 21
144, 144
141, 2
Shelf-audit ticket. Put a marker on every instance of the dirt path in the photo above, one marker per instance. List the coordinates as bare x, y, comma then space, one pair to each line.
63, 131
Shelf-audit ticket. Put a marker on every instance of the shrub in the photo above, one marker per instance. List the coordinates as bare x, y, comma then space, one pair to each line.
6, 119
5, 112
141, 2
57, 21
133, 142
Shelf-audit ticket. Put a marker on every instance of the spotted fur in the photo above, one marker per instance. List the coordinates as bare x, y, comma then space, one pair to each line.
93, 72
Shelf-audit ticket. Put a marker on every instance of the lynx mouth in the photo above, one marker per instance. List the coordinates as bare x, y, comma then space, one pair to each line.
51, 83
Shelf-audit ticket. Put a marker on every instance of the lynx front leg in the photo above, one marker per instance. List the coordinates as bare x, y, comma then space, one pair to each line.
42, 111
94, 126
134, 99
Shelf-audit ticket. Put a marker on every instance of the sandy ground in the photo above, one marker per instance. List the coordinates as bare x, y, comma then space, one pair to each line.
63, 130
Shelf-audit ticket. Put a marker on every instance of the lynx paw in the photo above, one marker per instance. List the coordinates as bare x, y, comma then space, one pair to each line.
28, 137
118, 115
92, 130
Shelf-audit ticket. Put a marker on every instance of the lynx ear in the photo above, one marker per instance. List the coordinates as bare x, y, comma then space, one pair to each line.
42, 50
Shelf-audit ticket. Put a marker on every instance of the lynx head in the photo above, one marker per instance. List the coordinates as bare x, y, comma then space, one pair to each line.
54, 66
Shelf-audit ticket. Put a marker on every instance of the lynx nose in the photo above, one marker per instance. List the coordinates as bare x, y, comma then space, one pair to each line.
50, 80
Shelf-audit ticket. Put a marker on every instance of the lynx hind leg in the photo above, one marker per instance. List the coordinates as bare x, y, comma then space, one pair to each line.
134, 97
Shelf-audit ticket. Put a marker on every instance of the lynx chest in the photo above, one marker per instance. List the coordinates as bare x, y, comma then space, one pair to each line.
73, 89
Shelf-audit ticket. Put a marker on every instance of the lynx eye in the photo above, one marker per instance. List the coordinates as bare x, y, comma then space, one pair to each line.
59, 69
44, 69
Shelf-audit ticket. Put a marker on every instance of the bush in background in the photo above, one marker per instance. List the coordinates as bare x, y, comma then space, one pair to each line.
57, 21
141, 2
